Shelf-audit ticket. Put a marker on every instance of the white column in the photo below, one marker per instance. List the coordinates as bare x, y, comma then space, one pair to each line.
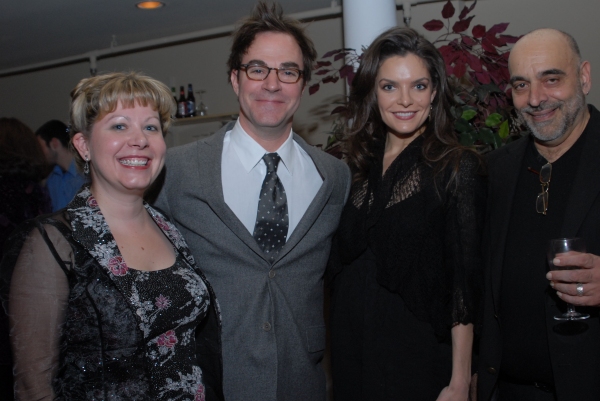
364, 20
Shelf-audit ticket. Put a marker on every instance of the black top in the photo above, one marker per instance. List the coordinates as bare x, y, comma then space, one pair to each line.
525, 266
424, 233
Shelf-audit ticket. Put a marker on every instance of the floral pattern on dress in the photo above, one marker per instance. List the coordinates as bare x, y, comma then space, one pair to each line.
162, 302
168, 304
171, 232
187, 383
166, 341
88, 220
117, 266
170, 340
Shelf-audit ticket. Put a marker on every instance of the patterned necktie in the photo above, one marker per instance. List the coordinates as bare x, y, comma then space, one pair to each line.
272, 221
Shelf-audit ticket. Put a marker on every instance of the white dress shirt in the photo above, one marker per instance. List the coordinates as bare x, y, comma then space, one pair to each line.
243, 172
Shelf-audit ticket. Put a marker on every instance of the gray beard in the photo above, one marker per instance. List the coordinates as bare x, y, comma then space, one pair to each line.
571, 108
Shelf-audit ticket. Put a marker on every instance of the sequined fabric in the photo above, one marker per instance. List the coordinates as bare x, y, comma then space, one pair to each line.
88, 327
169, 304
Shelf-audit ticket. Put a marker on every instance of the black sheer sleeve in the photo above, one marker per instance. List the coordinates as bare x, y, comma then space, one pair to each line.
464, 226
35, 294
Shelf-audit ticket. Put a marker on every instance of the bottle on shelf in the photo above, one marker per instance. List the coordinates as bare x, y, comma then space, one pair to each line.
182, 103
191, 102
201, 108
175, 99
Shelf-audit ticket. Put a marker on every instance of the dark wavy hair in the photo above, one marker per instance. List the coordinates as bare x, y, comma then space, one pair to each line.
440, 147
54, 129
270, 19
21, 154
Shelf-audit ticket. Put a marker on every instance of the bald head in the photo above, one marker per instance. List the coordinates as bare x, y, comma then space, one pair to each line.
548, 37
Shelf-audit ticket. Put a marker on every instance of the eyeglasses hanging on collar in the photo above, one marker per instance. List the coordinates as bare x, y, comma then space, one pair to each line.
545, 173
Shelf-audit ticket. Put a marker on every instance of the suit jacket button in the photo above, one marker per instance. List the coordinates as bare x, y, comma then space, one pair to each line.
271, 273
491, 370
266, 326
496, 316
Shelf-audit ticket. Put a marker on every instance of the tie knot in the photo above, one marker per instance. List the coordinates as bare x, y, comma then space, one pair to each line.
272, 161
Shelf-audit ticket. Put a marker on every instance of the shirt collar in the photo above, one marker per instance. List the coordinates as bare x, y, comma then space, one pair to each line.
251, 153
57, 170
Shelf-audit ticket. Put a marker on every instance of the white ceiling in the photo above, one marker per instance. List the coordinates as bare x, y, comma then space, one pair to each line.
35, 31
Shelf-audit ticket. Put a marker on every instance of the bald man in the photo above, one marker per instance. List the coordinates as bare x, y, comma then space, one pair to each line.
542, 187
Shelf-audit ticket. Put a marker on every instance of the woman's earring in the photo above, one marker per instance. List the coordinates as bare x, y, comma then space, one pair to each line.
86, 168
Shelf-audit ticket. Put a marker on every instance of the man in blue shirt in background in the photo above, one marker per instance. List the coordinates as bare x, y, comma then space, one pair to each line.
64, 180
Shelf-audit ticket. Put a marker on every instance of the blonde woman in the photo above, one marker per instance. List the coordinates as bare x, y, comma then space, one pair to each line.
104, 298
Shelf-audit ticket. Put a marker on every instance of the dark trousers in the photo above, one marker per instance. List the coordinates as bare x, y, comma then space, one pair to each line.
511, 391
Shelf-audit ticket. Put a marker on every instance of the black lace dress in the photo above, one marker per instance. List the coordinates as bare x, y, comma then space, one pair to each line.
406, 267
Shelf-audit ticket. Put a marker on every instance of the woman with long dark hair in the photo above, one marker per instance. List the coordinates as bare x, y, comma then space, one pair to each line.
22, 168
22, 197
406, 264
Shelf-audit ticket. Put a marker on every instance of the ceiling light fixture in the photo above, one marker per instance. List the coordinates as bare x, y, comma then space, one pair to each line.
150, 5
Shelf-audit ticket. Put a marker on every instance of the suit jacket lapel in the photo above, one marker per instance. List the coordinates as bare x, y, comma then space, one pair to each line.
210, 182
586, 184
317, 204
505, 175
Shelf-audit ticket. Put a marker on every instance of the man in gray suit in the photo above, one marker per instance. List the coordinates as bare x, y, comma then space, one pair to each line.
266, 268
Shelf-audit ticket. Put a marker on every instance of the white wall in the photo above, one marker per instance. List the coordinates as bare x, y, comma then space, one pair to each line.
40, 96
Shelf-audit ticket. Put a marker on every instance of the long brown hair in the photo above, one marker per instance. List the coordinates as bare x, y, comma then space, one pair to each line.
20, 152
440, 146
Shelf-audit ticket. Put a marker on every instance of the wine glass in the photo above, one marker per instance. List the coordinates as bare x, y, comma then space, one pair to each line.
200, 106
564, 246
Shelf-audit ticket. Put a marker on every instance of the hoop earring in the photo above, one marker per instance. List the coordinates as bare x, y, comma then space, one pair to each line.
86, 167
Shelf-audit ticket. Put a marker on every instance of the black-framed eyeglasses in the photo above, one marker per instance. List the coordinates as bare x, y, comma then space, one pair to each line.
545, 173
261, 72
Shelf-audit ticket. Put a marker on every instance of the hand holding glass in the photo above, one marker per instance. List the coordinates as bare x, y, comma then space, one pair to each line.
556, 248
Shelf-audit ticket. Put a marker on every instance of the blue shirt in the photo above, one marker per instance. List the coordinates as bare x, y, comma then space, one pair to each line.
243, 172
63, 185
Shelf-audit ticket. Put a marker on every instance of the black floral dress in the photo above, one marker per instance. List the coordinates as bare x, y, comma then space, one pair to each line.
120, 333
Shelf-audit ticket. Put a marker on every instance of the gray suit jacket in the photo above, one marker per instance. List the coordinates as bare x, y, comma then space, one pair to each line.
273, 334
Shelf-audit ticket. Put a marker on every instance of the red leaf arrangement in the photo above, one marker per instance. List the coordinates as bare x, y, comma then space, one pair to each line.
433, 25
448, 10
462, 25
478, 31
